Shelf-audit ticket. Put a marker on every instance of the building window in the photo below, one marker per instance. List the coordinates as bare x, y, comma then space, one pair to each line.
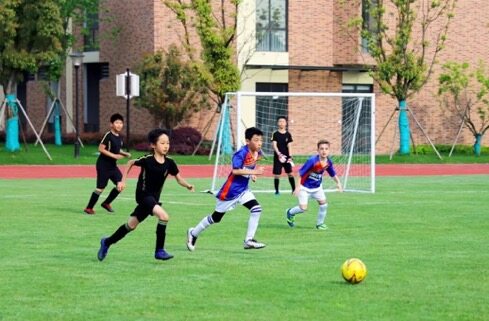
349, 111
271, 25
369, 8
91, 32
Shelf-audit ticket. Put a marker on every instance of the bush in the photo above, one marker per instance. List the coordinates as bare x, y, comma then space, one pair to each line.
184, 140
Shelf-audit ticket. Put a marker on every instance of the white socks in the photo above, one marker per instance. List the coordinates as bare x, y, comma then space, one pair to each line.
323, 211
255, 213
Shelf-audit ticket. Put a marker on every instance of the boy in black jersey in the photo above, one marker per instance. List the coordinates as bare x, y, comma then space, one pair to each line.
110, 149
281, 141
155, 168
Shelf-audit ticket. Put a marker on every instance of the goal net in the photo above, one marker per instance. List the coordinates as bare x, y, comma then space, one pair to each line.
345, 120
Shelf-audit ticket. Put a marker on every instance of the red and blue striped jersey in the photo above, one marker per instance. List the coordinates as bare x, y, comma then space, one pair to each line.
237, 184
312, 171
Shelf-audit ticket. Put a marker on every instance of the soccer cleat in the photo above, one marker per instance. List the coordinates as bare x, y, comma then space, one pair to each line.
191, 240
277, 193
163, 255
89, 211
102, 252
107, 207
290, 218
321, 227
253, 244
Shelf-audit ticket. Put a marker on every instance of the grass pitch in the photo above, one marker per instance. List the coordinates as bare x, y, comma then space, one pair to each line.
423, 239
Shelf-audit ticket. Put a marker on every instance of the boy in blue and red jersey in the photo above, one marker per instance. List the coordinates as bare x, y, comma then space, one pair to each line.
235, 190
311, 178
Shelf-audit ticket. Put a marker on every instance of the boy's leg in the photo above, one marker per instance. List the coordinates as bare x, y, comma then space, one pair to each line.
276, 183
322, 213
323, 209
289, 172
93, 200
102, 180
255, 213
119, 234
193, 232
248, 200
115, 177
163, 218
290, 213
106, 204
292, 182
276, 171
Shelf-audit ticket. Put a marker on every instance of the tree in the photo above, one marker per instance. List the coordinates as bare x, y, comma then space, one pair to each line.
404, 63
31, 36
216, 35
169, 88
466, 94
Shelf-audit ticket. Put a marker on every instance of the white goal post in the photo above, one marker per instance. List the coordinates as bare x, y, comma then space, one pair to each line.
346, 120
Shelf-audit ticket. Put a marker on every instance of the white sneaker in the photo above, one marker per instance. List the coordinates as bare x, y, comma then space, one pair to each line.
191, 240
253, 244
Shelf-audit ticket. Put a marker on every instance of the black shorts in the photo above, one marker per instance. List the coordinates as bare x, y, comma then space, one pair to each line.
277, 167
145, 207
103, 176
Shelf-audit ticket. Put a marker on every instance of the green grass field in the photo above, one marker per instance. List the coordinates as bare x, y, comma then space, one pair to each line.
64, 155
423, 239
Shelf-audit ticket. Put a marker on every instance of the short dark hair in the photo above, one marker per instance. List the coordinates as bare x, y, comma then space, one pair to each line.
282, 117
154, 134
323, 141
115, 117
249, 132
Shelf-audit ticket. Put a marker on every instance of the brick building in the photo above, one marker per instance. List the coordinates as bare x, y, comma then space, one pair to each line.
306, 51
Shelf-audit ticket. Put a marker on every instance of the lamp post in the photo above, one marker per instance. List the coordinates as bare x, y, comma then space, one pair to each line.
77, 59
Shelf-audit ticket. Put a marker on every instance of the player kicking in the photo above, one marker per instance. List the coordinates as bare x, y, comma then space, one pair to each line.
311, 178
235, 190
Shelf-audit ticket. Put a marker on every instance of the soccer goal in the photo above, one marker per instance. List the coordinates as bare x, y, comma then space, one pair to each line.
347, 121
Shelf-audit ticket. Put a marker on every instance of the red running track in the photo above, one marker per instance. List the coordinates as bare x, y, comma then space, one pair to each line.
205, 171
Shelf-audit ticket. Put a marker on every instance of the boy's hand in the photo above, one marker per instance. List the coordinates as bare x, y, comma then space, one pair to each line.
282, 158
253, 178
121, 186
260, 170
191, 188
128, 155
296, 191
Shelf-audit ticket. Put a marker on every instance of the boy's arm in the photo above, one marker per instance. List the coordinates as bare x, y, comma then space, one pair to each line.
281, 157
338, 183
182, 182
125, 154
102, 150
122, 184
243, 171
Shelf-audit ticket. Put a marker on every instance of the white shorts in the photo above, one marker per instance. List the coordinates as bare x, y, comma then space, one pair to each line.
225, 206
314, 193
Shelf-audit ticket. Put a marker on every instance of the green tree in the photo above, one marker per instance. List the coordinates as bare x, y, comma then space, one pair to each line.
404, 63
466, 94
216, 37
169, 88
31, 35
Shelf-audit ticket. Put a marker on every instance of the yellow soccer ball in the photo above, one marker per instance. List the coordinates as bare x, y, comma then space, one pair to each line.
354, 271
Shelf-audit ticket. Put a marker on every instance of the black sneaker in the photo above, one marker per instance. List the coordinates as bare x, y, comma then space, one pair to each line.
163, 255
107, 207
102, 252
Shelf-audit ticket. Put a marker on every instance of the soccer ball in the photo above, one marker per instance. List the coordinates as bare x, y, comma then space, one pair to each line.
353, 271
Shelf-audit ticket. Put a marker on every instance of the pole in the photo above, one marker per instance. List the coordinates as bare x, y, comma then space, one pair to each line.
77, 140
128, 99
